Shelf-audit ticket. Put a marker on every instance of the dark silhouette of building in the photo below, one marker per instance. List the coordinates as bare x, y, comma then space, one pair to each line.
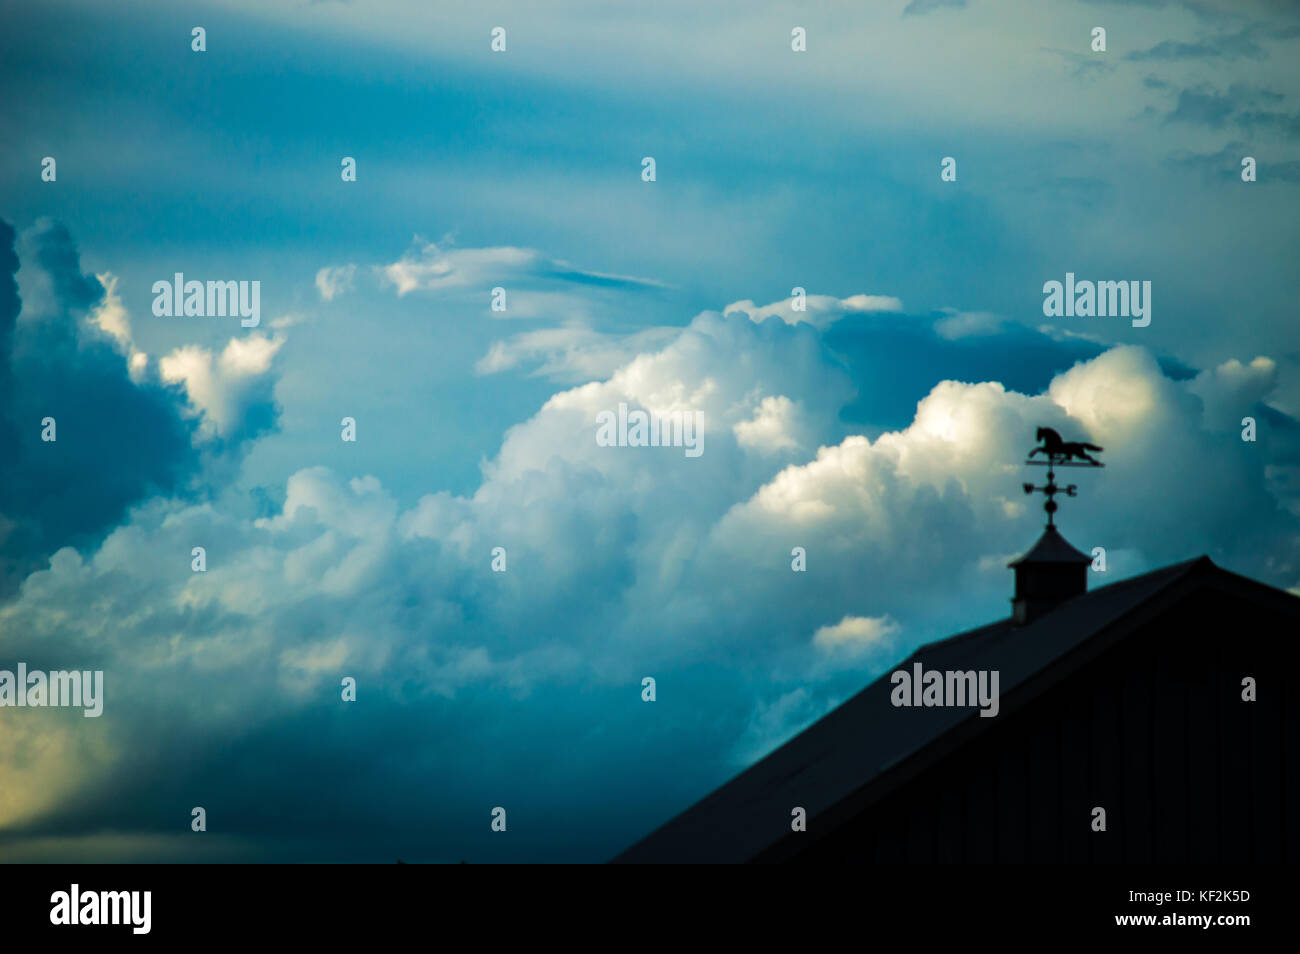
1050, 573
1167, 700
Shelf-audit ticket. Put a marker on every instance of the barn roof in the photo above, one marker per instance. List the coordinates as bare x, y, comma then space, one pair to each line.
864, 743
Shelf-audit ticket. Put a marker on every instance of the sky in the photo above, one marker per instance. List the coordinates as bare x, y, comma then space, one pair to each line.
881, 428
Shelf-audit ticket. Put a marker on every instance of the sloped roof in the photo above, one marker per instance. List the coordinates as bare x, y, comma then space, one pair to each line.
1052, 548
866, 738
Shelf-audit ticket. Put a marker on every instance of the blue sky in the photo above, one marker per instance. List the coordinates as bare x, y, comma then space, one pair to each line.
881, 429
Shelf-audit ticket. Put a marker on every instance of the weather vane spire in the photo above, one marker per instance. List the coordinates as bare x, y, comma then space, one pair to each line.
1059, 453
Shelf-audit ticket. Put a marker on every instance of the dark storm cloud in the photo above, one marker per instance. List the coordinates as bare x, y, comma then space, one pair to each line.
1241, 105
1206, 106
117, 442
1245, 43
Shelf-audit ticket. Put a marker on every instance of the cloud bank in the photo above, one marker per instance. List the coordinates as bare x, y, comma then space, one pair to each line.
621, 562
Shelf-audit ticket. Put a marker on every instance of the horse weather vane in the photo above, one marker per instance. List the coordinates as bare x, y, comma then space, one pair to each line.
1059, 453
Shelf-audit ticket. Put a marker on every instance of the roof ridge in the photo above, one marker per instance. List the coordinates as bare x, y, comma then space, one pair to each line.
1174, 571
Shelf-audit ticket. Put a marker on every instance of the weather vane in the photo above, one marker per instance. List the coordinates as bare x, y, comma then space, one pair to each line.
1059, 454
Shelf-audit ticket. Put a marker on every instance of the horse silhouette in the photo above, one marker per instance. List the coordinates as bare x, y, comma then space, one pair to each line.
1057, 449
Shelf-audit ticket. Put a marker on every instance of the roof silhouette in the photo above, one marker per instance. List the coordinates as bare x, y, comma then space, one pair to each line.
1052, 548
866, 747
